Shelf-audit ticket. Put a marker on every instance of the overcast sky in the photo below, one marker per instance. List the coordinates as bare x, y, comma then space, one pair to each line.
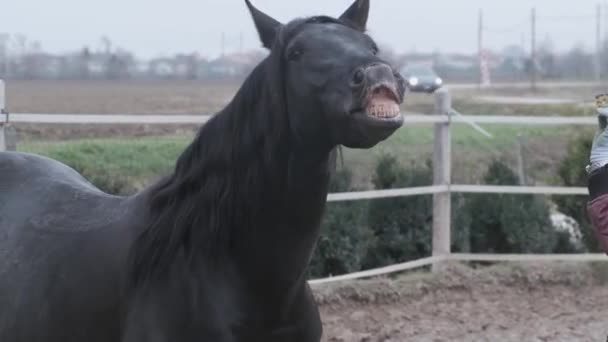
160, 27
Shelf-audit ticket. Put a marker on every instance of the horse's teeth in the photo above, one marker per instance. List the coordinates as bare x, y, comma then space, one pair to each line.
383, 110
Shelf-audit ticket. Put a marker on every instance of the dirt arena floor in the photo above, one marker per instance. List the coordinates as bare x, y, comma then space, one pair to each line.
519, 302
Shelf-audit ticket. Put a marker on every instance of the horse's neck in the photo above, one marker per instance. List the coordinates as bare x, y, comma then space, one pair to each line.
296, 207
283, 243
306, 192
308, 178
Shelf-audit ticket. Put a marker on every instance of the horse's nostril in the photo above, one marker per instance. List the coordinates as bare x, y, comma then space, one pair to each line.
358, 77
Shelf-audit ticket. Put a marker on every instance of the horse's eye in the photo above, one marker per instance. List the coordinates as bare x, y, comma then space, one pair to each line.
294, 54
375, 50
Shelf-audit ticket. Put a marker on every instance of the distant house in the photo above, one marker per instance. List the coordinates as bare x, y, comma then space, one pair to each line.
51, 67
233, 65
457, 62
140, 68
39, 65
418, 59
161, 68
450, 67
97, 65
186, 66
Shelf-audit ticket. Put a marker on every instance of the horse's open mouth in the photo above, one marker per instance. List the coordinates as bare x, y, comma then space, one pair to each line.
383, 102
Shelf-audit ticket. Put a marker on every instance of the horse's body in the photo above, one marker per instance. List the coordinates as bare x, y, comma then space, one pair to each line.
62, 247
218, 250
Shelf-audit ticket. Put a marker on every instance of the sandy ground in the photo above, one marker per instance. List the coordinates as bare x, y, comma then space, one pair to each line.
520, 303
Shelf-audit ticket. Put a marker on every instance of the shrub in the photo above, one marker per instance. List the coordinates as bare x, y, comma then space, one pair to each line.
572, 173
402, 225
504, 223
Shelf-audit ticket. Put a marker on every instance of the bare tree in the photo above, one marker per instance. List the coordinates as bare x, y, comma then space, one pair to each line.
4, 54
85, 59
547, 58
577, 63
107, 45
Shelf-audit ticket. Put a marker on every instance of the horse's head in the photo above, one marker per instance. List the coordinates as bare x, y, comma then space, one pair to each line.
337, 90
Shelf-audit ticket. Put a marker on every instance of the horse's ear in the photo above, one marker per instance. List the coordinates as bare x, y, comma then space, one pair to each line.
357, 14
266, 25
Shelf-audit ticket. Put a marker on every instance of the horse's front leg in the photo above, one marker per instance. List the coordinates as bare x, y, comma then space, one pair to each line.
160, 321
160, 332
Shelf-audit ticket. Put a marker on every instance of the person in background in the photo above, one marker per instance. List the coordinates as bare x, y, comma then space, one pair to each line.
597, 170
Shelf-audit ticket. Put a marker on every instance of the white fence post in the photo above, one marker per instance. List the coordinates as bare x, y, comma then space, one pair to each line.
7, 133
442, 167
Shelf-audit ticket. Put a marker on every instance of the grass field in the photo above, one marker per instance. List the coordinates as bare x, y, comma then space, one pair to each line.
132, 162
117, 165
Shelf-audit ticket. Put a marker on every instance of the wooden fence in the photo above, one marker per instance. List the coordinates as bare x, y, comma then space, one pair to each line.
443, 119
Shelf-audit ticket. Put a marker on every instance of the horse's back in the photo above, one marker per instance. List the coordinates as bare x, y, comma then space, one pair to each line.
49, 195
24, 172
62, 249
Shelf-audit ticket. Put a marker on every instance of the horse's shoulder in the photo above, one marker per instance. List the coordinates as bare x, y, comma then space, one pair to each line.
14, 161
28, 163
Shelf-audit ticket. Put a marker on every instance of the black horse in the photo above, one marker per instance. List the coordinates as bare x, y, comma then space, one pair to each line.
218, 250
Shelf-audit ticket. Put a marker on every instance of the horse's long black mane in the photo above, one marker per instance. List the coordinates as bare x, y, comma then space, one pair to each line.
222, 180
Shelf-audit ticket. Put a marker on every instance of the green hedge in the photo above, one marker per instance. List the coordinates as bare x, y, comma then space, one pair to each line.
508, 223
401, 228
572, 173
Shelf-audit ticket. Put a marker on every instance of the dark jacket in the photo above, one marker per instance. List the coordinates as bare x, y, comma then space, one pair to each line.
597, 207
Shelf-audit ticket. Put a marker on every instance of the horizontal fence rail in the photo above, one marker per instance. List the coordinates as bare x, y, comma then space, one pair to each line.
517, 189
202, 118
108, 118
411, 265
455, 188
585, 257
374, 194
382, 270
527, 120
526, 85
